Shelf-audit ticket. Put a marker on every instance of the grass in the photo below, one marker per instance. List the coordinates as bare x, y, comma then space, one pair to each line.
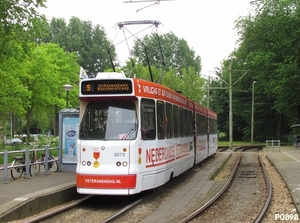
238, 143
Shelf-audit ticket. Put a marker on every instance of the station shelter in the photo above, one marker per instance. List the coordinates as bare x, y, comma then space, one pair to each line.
68, 136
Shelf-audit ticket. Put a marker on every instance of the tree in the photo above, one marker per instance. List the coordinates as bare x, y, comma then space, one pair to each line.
166, 51
20, 25
171, 62
36, 90
192, 85
271, 41
19, 22
89, 42
47, 95
268, 49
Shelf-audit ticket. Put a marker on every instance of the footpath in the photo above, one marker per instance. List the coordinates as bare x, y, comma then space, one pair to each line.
287, 163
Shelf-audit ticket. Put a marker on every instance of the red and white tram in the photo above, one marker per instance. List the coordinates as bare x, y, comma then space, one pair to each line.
136, 135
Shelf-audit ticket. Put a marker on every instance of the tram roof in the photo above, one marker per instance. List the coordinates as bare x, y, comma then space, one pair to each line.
107, 75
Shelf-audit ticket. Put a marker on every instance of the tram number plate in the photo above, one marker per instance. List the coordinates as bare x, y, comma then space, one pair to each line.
119, 154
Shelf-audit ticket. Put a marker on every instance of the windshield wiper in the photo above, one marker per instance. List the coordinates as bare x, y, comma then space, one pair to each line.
130, 131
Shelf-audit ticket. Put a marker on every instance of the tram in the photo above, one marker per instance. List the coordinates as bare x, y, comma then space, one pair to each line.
136, 135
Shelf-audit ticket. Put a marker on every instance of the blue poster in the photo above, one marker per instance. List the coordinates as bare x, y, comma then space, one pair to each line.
70, 130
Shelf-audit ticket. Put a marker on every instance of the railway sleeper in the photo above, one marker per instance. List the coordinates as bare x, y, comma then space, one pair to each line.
247, 174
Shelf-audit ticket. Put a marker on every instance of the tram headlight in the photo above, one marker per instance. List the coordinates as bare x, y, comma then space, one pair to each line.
118, 163
124, 163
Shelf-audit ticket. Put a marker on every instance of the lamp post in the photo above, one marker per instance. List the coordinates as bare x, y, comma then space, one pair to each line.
67, 88
252, 117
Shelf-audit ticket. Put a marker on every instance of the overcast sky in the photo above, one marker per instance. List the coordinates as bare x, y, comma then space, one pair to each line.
206, 25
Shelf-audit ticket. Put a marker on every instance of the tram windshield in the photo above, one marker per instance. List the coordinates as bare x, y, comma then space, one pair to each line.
109, 121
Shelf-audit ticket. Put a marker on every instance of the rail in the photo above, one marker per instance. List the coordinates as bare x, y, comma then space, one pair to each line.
27, 163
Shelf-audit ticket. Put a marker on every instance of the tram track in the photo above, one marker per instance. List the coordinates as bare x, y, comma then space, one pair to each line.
245, 170
142, 209
90, 207
104, 212
56, 211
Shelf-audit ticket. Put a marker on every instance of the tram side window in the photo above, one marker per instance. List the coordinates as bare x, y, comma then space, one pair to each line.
186, 122
148, 127
176, 121
169, 120
198, 123
190, 123
182, 123
160, 119
202, 125
213, 126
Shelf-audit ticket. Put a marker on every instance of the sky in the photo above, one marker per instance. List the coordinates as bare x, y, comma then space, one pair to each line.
206, 25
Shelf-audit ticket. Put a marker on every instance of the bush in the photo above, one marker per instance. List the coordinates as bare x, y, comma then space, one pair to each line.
222, 136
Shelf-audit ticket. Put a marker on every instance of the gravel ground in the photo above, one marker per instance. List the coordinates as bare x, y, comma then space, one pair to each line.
243, 199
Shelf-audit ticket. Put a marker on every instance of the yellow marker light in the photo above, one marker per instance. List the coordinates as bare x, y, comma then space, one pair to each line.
96, 164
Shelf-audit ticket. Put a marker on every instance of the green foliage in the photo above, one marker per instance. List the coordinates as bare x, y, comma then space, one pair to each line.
172, 63
166, 51
189, 83
48, 64
192, 84
33, 72
19, 23
89, 42
268, 50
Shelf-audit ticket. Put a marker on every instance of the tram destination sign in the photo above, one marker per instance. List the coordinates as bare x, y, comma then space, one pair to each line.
106, 87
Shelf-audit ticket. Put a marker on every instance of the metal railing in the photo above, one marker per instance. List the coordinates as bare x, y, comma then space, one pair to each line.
273, 142
28, 161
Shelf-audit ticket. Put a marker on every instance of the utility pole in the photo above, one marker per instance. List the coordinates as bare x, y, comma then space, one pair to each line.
230, 105
208, 92
230, 98
252, 117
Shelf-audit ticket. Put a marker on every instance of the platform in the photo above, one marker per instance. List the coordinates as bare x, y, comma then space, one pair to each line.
287, 163
21, 197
